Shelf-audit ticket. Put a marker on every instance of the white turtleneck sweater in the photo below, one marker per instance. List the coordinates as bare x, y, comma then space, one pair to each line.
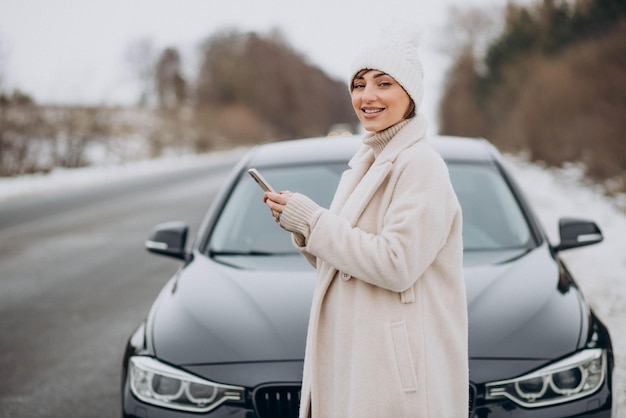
378, 140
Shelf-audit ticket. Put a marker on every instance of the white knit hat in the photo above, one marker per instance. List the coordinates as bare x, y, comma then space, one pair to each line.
397, 55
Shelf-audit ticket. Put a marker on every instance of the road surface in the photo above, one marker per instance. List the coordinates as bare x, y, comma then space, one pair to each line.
75, 281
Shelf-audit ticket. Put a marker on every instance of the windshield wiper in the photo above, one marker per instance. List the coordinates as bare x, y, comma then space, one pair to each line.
213, 253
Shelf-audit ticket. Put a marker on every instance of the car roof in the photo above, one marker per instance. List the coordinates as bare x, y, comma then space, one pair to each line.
341, 149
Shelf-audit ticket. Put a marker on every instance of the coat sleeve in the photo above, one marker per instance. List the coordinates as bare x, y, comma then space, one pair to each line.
297, 218
299, 241
415, 226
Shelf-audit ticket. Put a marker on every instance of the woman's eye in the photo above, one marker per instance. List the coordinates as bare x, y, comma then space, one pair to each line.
358, 86
385, 84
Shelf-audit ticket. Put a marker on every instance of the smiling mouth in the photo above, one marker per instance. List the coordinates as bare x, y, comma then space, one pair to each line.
371, 111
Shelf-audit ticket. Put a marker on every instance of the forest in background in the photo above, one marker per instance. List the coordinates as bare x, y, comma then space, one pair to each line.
551, 84
248, 88
547, 80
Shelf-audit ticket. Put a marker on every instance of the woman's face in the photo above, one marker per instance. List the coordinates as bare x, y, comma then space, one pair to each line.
378, 100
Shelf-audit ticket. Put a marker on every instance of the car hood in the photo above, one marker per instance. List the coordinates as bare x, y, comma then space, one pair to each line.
243, 309
521, 307
213, 312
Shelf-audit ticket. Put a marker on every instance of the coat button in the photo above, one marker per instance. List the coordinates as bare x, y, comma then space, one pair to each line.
345, 276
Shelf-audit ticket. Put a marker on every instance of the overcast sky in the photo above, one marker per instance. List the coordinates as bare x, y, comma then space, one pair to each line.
72, 51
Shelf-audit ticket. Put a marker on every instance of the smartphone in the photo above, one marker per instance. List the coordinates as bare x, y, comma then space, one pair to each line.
260, 180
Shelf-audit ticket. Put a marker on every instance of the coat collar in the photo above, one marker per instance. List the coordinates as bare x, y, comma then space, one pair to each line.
367, 173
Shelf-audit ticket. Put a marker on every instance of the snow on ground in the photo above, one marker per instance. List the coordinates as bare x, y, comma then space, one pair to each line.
13, 188
599, 269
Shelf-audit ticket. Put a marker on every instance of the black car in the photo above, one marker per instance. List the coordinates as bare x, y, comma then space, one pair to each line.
226, 335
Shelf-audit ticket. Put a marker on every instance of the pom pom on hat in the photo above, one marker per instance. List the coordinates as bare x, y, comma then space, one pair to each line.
395, 53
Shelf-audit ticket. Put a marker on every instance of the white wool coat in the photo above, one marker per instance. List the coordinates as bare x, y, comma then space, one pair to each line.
387, 332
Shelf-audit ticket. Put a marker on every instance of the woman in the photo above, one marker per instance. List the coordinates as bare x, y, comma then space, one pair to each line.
387, 333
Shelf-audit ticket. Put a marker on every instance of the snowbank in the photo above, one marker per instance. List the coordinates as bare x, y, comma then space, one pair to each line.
65, 179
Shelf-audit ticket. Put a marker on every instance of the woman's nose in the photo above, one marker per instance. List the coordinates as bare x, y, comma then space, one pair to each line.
369, 94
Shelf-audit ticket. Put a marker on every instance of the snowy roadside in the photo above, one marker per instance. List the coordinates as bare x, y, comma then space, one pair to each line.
13, 188
600, 269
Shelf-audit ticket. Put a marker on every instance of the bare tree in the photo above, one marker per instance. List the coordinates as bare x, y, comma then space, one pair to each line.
20, 121
3, 60
265, 74
75, 128
171, 86
469, 32
140, 56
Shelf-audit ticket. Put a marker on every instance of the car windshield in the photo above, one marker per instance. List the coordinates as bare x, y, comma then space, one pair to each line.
492, 218
245, 225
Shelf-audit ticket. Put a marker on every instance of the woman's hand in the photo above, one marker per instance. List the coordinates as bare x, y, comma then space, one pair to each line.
277, 202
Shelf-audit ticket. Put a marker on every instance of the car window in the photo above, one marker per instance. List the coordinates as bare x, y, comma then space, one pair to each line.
492, 217
245, 225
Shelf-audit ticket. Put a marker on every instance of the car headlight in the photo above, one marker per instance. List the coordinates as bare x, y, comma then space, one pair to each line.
156, 383
566, 380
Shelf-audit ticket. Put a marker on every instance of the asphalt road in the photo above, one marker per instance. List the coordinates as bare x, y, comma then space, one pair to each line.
75, 281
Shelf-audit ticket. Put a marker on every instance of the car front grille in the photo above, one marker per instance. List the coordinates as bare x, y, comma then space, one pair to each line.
277, 401
472, 399
283, 401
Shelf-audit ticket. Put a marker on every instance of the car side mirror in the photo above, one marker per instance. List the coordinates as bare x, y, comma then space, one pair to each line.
576, 233
169, 239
